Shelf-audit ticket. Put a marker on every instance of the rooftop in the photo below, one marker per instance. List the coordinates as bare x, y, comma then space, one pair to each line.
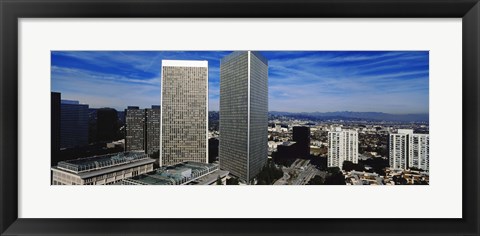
179, 174
101, 162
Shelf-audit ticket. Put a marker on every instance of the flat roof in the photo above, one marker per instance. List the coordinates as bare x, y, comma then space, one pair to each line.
184, 63
172, 174
102, 161
103, 171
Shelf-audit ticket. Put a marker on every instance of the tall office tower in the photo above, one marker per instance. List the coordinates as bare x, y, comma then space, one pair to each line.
107, 122
55, 126
243, 147
184, 112
301, 135
134, 129
73, 124
152, 130
342, 146
408, 150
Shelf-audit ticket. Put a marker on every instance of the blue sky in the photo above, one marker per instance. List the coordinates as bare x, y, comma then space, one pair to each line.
299, 81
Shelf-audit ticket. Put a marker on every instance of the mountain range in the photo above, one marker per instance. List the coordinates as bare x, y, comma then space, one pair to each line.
345, 115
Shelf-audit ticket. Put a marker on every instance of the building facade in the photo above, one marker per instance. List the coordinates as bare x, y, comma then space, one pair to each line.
419, 152
55, 125
73, 124
243, 126
107, 124
134, 129
301, 135
342, 146
142, 130
101, 170
184, 112
152, 130
409, 150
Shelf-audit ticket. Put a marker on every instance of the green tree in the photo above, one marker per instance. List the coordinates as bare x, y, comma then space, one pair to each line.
232, 181
317, 180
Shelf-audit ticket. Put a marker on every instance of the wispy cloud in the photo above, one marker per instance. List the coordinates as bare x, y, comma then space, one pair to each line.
390, 81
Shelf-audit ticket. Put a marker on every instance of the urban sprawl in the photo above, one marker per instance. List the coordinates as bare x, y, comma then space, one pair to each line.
180, 142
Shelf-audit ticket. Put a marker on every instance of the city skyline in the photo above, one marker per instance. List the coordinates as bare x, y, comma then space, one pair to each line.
394, 82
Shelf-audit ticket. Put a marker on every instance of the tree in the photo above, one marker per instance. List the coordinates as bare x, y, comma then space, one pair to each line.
317, 180
349, 166
219, 180
335, 177
232, 181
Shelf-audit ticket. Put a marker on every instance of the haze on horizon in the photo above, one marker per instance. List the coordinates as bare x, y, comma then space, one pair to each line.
394, 82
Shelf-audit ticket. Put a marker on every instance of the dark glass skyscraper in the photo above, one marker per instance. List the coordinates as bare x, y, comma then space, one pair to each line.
301, 136
73, 124
243, 127
55, 125
107, 122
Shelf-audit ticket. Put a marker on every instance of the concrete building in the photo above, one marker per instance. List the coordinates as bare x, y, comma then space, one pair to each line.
243, 149
134, 129
184, 112
152, 130
342, 146
419, 152
73, 124
100, 170
409, 150
142, 129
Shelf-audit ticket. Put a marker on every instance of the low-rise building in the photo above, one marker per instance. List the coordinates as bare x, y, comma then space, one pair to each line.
100, 170
185, 173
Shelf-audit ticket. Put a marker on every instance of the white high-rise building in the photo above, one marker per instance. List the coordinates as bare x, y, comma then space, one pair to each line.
398, 148
342, 146
184, 112
409, 150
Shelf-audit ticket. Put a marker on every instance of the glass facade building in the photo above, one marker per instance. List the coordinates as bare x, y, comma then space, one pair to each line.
243, 148
184, 112
73, 124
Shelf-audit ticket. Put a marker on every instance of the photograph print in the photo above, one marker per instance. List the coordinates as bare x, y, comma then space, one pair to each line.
239, 118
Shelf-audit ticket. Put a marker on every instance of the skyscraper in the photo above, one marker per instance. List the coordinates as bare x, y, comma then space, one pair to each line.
398, 148
408, 150
73, 124
419, 152
243, 149
152, 130
107, 122
134, 129
342, 146
142, 130
301, 135
184, 112
55, 125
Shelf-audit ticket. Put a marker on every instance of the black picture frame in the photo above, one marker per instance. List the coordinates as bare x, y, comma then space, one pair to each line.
11, 11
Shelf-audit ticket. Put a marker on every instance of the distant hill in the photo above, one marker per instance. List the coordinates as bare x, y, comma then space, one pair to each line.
342, 115
349, 115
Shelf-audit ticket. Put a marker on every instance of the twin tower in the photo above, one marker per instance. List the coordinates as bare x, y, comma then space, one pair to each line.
243, 113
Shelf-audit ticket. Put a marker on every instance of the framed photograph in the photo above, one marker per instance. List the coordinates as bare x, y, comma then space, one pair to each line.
226, 117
